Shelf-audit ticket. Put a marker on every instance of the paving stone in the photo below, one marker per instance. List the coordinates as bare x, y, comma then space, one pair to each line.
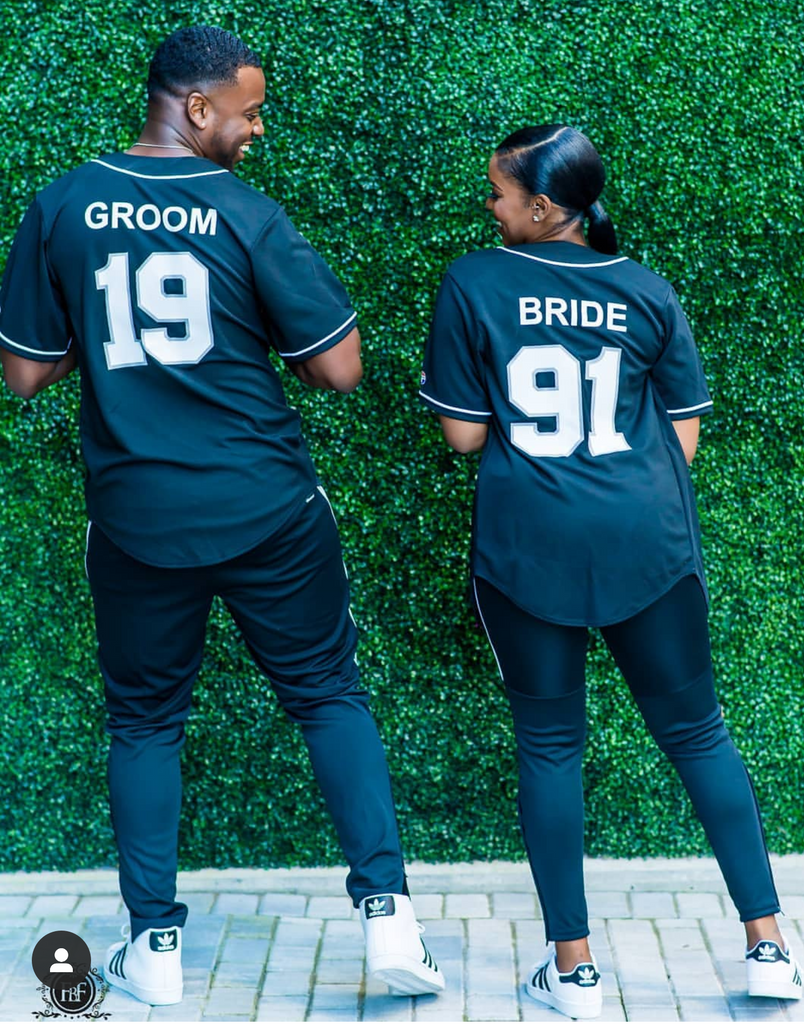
14, 906
196, 980
189, 1009
653, 904
329, 906
283, 904
199, 956
428, 905
296, 932
218, 1018
330, 1014
707, 1009
695, 984
530, 936
515, 905
51, 906
282, 1008
773, 1012
251, 927
793, 906
197, 902
650, 1013
685, 936
335, 997
339, 972
245, 951
286, 983
607, 904
379, 1006
124, 1007
490, 934
238, 975
491, 981
285, 958
467, 905
492, 1007
237, 903
699, 904
98, 906
230, 1001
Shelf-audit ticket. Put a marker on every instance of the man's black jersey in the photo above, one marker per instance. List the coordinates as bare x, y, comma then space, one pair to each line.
584, 511
174, 278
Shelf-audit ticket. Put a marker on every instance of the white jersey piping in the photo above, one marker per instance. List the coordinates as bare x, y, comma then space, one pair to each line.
36, 351
691, 408
453, 408
158, 177
556, 263
286, 355
485, 627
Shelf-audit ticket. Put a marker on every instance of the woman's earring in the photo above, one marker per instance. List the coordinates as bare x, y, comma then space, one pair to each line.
535, 217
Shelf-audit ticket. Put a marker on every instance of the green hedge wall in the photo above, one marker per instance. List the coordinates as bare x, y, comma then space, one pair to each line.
381, 117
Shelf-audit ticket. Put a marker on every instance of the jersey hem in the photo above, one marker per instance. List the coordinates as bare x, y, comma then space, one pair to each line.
34, 354
275, 528
584, 622
691, 412
455, 412
334, 338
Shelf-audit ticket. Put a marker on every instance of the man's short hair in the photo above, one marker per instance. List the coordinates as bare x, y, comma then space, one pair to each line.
197, 56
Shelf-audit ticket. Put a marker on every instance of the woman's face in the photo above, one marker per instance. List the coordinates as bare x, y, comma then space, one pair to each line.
511, 207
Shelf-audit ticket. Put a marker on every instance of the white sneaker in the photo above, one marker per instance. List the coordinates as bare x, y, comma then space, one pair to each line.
395, 952
773, 972
149, 968
577, 994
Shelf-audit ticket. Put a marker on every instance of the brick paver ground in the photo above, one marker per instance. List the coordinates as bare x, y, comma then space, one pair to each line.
287, 946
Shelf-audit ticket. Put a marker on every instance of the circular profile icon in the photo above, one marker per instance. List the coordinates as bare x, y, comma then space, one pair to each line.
74, 996
61, 960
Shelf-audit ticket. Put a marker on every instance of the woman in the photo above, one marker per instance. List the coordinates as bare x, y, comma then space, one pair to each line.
575, 371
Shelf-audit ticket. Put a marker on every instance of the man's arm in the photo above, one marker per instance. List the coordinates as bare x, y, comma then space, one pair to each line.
339, 368
464, 436
27, 377
687, 431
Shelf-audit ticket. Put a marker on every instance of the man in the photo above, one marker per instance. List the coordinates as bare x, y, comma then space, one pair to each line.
166, 280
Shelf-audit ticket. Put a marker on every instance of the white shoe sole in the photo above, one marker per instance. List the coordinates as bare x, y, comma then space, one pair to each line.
581, 1011
155, 997
775, 991
405, 975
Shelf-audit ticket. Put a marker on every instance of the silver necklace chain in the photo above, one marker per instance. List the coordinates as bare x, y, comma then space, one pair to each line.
157, 145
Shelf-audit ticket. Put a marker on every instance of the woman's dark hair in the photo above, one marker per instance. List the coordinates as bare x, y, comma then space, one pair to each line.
561, 163
196, 56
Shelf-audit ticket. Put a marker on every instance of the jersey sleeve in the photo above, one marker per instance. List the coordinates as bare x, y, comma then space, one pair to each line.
33, 320
306, 307
452, 378
677, 374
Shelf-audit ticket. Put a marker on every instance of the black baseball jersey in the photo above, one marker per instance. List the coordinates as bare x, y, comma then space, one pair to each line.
584, 511
174, 278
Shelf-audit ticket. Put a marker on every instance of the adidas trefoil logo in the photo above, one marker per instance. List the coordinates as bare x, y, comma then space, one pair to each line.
767, 952
376, 906
167, 940
586, 976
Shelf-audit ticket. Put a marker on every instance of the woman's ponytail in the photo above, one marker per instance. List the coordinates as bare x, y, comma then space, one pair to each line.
600, 233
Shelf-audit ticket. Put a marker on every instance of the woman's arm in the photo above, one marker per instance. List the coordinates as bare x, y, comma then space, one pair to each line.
464, 436
687, 432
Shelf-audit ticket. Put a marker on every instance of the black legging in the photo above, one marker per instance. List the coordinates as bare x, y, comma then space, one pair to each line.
663, 652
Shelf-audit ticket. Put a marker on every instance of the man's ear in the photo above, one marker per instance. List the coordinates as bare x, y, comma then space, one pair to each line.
197, 109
